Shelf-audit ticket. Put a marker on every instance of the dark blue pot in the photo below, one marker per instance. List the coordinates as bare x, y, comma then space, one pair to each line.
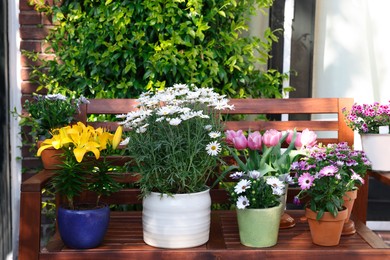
81, 229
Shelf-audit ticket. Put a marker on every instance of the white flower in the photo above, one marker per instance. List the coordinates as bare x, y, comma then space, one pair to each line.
236, 175
254, 174
242, 202
175, 121
215, 134
55, 97
125, 142
208, 127
276, 184
242, 186
213, 148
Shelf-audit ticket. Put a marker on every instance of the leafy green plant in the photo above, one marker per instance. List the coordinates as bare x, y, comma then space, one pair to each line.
121, 48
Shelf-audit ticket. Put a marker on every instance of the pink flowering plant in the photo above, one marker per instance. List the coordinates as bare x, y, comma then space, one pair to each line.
262, 165
367, 118
327, 173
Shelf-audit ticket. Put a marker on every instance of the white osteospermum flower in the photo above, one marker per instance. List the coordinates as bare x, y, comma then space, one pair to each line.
254, 174
276, 184
242, 202
175, 121
236, 175
213, 148
215, 134
242, 186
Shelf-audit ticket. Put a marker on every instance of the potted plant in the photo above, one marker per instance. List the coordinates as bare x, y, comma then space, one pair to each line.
372, 122
324, 176
83, 225
258, 206
264, 153
45, 113
175, 140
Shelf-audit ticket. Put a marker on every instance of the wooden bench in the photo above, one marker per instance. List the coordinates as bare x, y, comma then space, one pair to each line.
124, 237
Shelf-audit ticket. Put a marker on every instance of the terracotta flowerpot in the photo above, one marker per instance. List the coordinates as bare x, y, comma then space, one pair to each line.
327, 230
51, 158
349, 200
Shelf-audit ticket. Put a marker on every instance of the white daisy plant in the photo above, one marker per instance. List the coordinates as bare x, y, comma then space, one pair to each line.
255, 190
175, 137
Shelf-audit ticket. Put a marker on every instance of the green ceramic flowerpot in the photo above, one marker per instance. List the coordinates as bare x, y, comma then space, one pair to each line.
259, 227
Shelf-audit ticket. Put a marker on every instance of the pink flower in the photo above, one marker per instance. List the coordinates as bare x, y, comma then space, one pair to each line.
289, 136
254, 141
230, 134
329, 170
307, 139
240, 142
271, 137
305, 181
298, 136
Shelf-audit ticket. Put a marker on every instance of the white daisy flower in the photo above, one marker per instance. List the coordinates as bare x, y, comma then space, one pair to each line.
242, 202
125, 142
242, 186
175, 121
215, 134
213, 148
208, 127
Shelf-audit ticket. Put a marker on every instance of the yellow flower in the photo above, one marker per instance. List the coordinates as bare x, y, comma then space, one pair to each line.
117, 137
57, 141
82, 139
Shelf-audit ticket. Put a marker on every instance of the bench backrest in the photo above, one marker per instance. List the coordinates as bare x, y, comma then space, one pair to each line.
323, 115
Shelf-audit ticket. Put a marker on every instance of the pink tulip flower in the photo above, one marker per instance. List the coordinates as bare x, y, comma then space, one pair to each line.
271, 137
289, 136
307, 139
240, 142
230, 134
298, 143
254, 141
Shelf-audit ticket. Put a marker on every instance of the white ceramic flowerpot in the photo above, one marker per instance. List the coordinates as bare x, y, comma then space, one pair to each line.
178, 221
377, 149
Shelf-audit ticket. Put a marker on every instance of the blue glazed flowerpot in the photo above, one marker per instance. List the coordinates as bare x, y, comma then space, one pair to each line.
81, 229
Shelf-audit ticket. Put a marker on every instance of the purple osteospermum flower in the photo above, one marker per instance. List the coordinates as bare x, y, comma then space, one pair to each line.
305, 181
296, 201
236, 175
356, 176
329, 170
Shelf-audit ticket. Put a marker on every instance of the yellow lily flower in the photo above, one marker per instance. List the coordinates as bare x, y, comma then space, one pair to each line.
57, 141
82, 139
117, 137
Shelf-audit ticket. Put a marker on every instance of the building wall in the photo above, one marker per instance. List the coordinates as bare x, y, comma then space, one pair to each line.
351, 56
